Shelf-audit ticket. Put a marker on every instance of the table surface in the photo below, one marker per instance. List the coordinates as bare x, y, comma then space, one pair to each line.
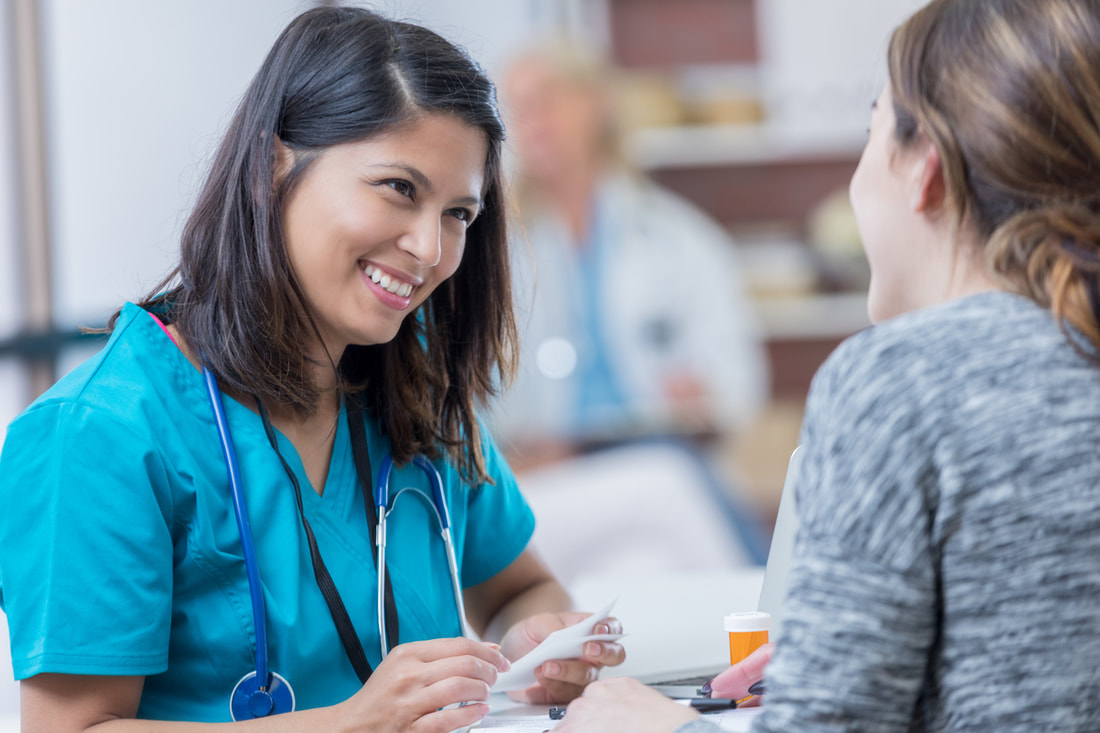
672, 622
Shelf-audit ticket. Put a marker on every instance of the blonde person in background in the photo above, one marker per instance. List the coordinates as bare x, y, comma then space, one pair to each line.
634, 320
945, 576
631, 304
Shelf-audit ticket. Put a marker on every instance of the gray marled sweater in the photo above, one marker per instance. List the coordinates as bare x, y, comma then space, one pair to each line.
947, 570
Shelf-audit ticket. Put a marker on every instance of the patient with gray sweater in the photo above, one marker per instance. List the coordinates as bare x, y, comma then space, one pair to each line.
946, 574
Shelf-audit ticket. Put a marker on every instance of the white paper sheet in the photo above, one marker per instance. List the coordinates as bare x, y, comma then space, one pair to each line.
735, 720
516, 725
567, 643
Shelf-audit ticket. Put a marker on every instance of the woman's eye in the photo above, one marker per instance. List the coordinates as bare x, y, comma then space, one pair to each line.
462, 214
403, 187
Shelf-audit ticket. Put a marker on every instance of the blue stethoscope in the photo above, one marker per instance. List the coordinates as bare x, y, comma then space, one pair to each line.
264, 692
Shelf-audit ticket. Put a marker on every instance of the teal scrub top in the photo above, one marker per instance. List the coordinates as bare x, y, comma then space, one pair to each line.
119, 551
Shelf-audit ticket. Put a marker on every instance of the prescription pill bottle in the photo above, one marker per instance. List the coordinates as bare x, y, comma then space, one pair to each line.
748, 631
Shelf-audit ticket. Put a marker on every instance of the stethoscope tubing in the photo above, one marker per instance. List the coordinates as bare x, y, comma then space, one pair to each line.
244, 527
439, 502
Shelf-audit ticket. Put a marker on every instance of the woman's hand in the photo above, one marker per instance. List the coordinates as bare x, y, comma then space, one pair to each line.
416, 685
734, 683
623, 704
561, 680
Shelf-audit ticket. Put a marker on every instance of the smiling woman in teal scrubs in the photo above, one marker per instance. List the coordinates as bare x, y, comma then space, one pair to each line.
347, 251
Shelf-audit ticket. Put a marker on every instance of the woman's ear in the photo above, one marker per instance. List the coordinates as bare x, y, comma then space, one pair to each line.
929, 190
284, 160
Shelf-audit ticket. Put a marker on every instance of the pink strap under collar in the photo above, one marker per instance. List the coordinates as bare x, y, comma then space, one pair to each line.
165, 329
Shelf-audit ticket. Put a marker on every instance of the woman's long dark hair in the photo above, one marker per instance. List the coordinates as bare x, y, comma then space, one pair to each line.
338, 75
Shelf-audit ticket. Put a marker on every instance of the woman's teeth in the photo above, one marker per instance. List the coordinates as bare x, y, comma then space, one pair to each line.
389, 284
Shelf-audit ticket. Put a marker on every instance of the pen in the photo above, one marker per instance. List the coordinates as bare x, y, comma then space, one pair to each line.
708, 704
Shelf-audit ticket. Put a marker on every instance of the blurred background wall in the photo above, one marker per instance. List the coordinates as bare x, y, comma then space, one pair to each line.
754, 110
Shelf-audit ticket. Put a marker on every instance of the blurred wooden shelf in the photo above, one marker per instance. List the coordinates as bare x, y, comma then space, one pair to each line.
697, 146
801, 331
748, 175
812, 317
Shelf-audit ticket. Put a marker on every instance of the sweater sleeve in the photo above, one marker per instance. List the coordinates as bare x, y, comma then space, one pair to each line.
860, 614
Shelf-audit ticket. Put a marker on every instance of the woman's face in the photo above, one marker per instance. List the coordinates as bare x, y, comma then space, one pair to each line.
375, 226
882, 195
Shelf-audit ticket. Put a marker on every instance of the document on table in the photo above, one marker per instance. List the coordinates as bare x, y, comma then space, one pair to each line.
516, 725
566, 643
735, 720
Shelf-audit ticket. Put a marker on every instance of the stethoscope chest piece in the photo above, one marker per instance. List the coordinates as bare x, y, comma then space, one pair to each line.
248, 701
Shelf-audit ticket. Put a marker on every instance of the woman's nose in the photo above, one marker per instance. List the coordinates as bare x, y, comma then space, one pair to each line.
423, 241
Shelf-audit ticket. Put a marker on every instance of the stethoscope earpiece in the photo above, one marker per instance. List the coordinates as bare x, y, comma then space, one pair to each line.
248, 701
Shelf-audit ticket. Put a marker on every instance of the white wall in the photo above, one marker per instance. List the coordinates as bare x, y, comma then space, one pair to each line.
137, 93
10, 311
13, 377
487, 29
12, 381
824, 60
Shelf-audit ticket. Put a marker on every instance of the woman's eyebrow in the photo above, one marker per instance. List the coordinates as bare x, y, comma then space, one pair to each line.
413, 173
422, 180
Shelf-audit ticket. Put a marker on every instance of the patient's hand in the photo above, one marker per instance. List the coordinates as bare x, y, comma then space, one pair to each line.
734, 683
623, 704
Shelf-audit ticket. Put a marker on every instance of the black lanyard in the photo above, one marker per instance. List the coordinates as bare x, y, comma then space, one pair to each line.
361, 454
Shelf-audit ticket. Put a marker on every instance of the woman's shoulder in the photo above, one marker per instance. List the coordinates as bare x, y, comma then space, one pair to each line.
128, 371
942, 344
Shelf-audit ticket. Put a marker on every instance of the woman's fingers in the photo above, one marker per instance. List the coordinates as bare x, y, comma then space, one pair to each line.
561, 680
604, 653
427, 676
433, 686
734, 683
449, 719
609, 625
458, 668
452, 692
435, 649
556, 682
435, 682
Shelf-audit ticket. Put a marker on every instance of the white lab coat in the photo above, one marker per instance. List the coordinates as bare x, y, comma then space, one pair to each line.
672, 300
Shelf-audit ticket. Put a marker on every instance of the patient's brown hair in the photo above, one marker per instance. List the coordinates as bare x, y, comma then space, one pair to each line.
1008, 91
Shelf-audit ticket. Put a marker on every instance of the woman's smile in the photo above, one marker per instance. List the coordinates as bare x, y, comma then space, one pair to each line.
391, 288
